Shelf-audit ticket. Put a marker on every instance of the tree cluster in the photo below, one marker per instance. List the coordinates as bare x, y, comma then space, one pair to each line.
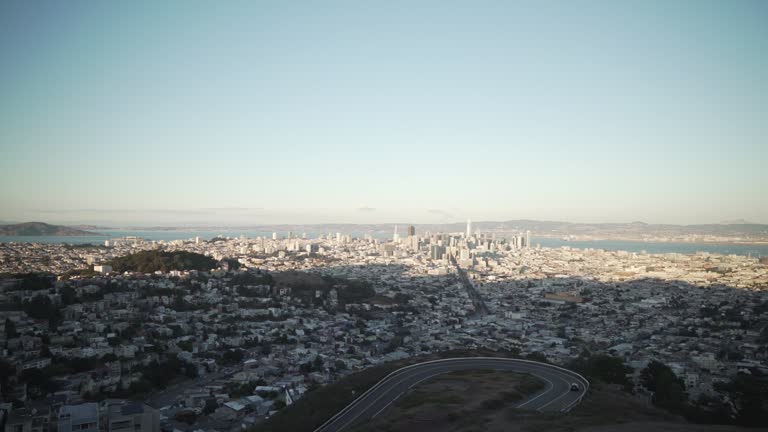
155, 260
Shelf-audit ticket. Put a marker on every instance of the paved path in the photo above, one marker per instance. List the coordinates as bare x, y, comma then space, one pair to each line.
555, 397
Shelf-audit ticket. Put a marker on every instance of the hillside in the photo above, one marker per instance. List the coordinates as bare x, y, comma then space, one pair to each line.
155, 260
605, 409
42, 229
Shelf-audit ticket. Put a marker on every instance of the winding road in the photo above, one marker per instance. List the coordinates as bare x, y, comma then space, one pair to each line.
555, 397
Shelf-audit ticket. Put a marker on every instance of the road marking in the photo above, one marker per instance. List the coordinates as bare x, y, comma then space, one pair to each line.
424, 379
567, 391
542, 394
372, 403
385, 406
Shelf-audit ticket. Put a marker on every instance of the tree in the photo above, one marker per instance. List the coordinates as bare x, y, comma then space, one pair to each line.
232, 356
317, 363
39, 384
10, 329
185, 345
669, 390
187, 416
537, 356
393, 344
210, 406
109, 358
68, 295
229, 264
605, 368
7, 370
750, 394
40, 307
154, 260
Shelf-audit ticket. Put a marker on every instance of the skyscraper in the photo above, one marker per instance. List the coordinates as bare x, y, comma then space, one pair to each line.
411, 230
528, 239
395, 237
469, 228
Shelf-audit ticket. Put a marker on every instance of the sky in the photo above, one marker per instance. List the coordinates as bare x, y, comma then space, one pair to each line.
255, 112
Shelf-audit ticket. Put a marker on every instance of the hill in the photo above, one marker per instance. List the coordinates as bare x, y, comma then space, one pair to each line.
42, 229
156, 260
606, 408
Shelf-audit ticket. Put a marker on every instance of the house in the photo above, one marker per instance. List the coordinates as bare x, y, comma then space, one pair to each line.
80, 418
34, 419
128, 416
38, 363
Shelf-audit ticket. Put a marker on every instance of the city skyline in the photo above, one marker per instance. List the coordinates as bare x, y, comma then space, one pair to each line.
147, 113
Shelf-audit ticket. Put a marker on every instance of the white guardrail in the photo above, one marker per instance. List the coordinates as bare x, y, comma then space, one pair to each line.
584, 381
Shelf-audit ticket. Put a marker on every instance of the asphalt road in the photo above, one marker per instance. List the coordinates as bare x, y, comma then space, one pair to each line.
555, 397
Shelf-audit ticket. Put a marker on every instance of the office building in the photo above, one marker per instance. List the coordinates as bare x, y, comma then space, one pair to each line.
437, 252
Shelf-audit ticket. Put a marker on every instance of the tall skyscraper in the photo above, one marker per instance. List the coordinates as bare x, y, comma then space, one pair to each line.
437, 252
411, 230
395, 237
528, 239
469, 228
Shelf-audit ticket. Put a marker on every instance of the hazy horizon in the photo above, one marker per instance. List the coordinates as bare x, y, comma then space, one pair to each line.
147, 113
206, 223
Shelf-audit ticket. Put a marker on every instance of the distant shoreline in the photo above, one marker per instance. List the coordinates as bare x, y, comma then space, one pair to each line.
630, 239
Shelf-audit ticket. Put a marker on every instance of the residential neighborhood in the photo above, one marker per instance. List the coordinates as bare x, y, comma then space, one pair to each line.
87, 347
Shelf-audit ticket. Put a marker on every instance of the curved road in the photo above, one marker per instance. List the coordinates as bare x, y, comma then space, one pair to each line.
555, 397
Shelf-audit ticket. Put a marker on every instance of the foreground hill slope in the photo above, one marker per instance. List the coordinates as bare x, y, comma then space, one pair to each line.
605, 409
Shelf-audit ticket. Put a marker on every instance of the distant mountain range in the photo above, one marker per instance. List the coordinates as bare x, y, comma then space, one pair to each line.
42, 229
749, 232
540, 228
89, 227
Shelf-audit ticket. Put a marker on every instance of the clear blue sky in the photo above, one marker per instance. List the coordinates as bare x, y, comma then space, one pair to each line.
262, 112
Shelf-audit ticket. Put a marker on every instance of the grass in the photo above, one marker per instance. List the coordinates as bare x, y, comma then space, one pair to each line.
466, 400
418, 398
